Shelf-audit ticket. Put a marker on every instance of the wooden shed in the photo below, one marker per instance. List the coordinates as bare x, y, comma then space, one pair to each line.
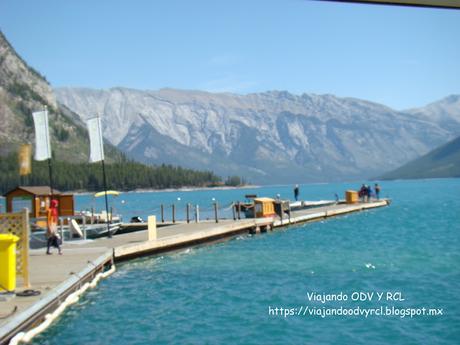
37, 200
264, 207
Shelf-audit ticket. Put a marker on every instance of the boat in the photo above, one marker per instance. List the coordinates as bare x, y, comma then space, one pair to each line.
38, 237
280, 206
296, 205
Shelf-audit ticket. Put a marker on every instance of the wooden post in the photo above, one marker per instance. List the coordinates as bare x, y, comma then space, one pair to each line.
239, 210
234, 211
92, 215
197, 213
162, 213
152, 228
188, 213
84, 227
111, 214
25, 247
61, 229
173, 213
215, 212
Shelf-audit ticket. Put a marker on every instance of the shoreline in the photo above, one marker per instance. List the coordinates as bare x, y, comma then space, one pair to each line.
171, 190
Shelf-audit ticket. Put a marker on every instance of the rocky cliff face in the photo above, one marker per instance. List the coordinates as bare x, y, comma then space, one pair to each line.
15, 71
23, 91
21, 88
270, 137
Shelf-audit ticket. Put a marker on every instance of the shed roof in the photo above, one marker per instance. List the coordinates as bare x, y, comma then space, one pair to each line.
36, 190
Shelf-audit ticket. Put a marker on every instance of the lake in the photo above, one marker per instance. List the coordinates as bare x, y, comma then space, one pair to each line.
258, 289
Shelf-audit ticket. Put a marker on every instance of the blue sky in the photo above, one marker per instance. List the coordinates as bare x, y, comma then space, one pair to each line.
399, 56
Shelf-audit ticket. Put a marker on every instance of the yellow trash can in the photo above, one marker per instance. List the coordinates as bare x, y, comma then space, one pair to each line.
8, 262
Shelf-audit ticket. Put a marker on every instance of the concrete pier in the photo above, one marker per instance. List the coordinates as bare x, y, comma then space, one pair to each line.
57, 276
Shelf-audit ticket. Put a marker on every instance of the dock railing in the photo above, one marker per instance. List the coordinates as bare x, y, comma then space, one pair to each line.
195, 213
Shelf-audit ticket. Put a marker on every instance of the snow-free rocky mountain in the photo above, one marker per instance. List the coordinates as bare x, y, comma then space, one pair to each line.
270, 137
22, 91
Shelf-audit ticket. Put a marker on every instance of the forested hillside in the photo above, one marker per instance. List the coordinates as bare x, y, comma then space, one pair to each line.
23, 90
444, 161
122, 175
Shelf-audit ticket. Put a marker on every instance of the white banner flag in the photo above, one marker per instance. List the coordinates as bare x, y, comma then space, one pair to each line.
42, 136
95, 140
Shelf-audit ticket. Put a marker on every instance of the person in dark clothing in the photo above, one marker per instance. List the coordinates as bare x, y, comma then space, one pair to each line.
296, 192
377, 191
369, 193
362, 192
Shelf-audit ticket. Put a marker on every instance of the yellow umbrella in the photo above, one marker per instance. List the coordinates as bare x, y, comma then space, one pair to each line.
109, 192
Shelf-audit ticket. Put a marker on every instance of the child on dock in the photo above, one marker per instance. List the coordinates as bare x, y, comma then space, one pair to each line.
52, 234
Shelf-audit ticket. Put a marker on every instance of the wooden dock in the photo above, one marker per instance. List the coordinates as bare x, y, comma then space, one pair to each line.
56, 276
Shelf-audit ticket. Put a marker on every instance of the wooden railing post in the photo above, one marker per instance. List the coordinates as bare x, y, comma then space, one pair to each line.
25, 247
197, 213
215, 212
84, 227
188, 213
61, 228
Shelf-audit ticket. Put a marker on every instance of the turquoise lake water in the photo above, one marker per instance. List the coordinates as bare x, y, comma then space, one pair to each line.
222, 293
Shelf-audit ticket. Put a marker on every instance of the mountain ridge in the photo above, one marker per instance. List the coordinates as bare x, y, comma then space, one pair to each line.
318, 137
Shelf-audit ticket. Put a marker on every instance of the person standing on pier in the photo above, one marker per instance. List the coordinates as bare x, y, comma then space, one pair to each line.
369, 193
296, 192
52, 222
377, 191
362, 193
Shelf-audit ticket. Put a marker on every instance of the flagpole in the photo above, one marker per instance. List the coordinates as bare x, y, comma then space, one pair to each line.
104, 176
97, 154
106, 200
50, 169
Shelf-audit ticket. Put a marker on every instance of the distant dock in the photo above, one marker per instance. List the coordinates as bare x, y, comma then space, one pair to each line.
58, 277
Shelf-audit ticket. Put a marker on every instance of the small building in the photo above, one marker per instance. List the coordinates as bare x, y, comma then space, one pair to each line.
37, 200
264, 207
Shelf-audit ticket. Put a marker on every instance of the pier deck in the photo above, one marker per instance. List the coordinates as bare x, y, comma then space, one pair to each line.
56, 276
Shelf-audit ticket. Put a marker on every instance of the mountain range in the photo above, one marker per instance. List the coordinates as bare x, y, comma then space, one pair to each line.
269, 137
